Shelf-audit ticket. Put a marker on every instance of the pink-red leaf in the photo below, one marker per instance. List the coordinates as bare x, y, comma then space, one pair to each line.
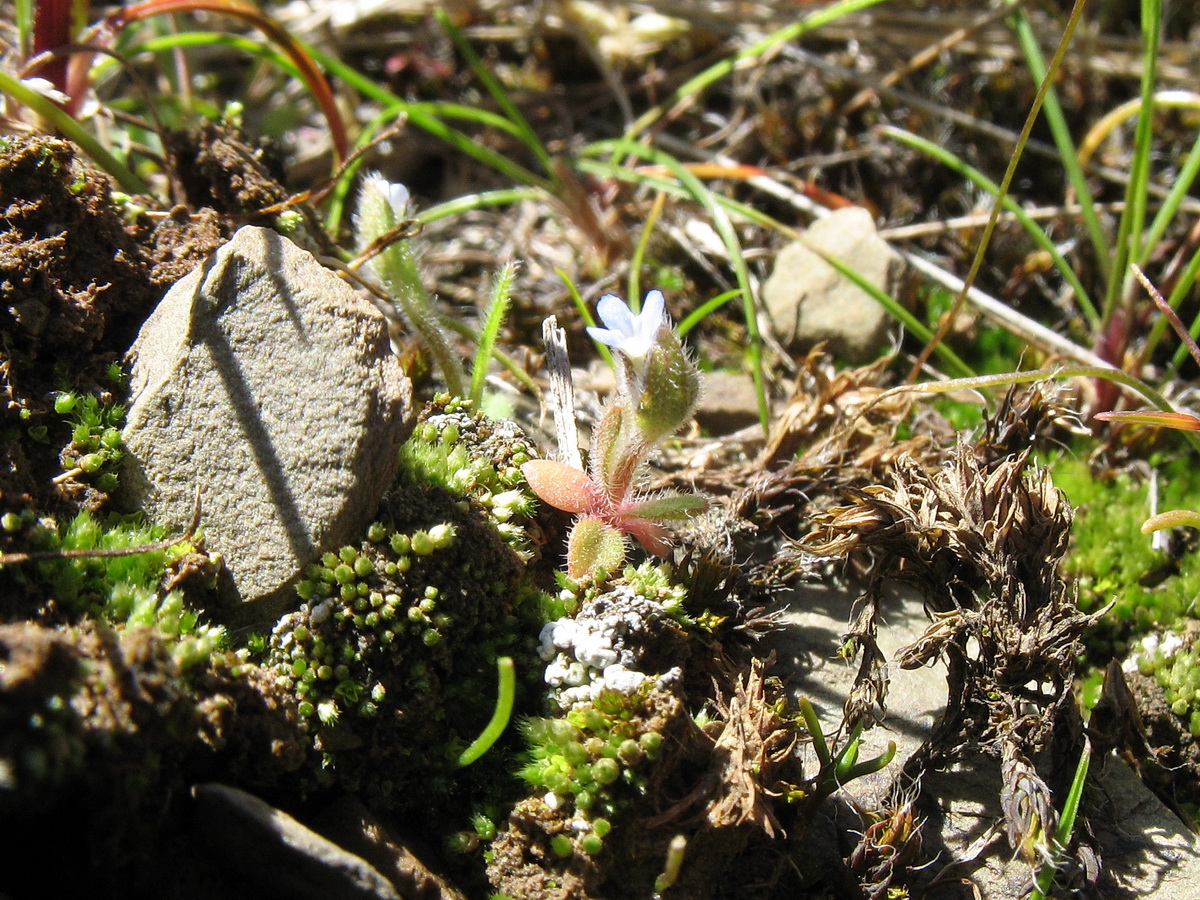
563, 487
1177, 420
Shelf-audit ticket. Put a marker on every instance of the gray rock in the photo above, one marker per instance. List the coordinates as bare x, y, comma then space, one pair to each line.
808, 301
727, 403
1147, 851
266, 382
277, 854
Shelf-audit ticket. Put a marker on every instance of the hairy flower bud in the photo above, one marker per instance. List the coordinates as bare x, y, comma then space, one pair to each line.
670, 389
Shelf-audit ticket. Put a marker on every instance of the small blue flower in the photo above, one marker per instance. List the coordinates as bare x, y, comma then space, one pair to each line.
633, 336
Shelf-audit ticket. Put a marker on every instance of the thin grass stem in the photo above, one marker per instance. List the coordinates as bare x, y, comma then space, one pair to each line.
1061, 133
639, 252
1130, 232
1036, 232
523, 129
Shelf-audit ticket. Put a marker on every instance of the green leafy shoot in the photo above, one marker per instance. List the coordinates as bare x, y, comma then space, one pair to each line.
493, 320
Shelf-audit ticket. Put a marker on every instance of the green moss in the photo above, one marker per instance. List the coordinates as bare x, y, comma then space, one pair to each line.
122, 590
391, 660
596, 757
1113, 561
95, 450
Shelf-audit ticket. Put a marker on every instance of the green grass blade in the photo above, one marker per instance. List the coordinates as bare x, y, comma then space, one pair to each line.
698, 315
1066, 824
727, 66
496, 313
431, 118
463, 330
639, 253
896, 310
981, 181
468, 202
73, 131
505, 696
1187, 279
586, 315
604, 168
1061, 133
1170, 205
1130, 229
528, 136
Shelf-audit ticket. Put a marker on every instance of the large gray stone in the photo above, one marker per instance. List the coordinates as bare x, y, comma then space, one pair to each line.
266, 382
809, 301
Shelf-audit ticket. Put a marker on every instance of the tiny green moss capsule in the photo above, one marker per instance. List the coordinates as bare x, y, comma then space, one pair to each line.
442, 535
601, 827
343, 574
422, 543
298, 667
630, 752
427, 606
431, 637
591, 844
484, 827
325, 672
107, 482
605, 771
91, 462
415, 614
348, 554
651, 742
562, 846
1179, 707
363, 567
376, 532
404, 563
401, 544
10, 522
65, 402
306, 589
348, 593
305, 709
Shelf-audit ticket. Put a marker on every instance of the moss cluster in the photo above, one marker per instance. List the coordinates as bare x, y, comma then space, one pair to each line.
95, 450
474, 458
593, 760
1174, 662
391, 660
1114, 561
137, 589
